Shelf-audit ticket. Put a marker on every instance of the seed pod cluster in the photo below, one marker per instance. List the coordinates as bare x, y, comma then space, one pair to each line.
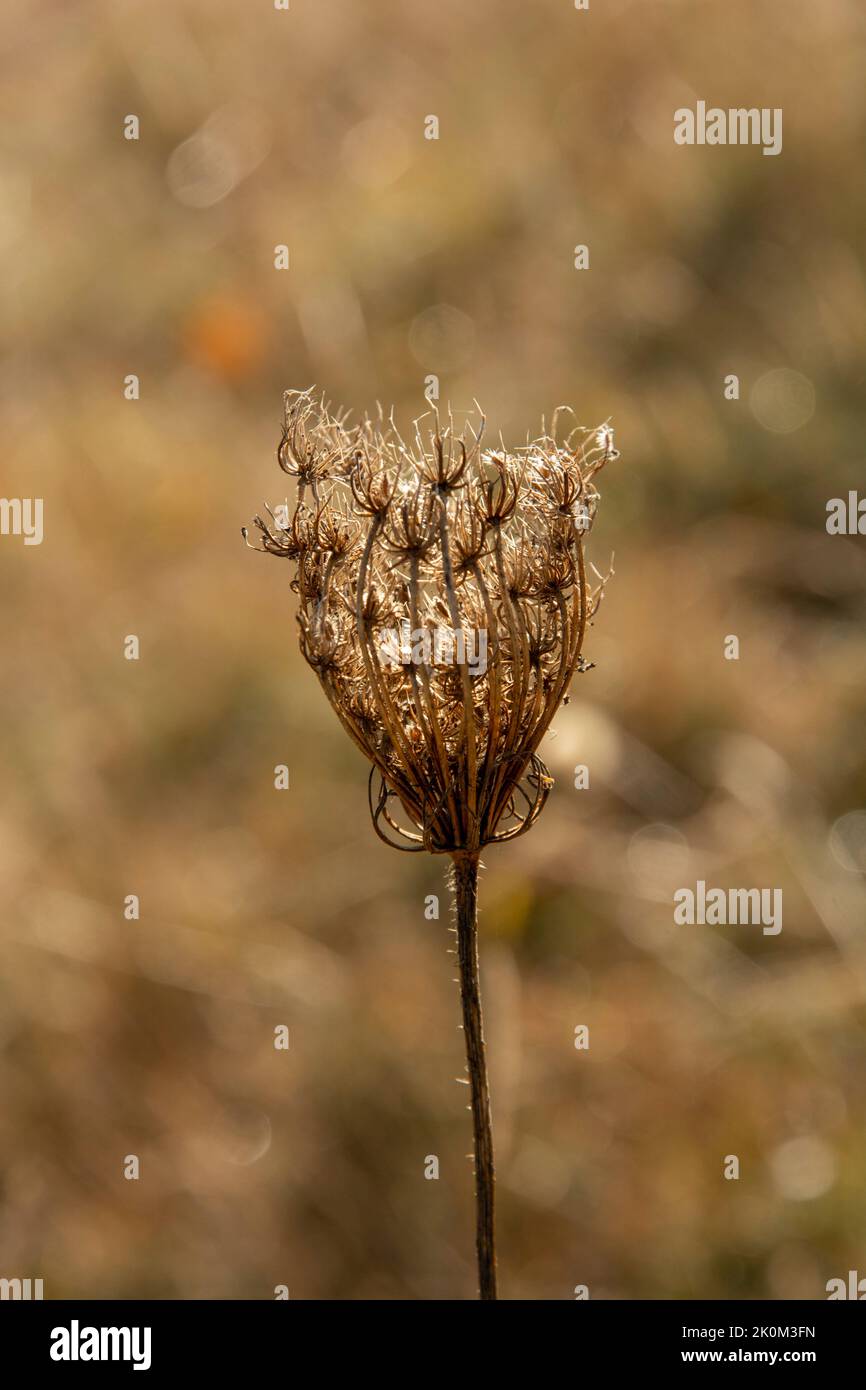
412, 559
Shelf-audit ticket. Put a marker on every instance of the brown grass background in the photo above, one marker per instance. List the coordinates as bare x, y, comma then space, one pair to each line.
262, 907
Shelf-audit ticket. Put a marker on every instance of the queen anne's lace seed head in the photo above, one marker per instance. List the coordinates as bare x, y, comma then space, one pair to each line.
403, 551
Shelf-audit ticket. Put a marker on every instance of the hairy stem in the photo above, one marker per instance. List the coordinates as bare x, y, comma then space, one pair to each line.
466, 900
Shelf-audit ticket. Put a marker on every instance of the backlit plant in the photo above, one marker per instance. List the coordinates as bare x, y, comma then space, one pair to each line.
403, 552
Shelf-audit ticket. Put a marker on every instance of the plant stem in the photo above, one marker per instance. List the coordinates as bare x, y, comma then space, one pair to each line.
466, 900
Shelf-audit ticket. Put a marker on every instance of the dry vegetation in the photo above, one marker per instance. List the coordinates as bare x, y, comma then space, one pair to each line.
156, 777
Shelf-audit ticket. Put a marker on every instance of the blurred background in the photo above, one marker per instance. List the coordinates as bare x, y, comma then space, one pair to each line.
411, 257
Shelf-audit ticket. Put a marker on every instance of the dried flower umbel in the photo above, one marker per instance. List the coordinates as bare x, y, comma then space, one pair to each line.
410, 559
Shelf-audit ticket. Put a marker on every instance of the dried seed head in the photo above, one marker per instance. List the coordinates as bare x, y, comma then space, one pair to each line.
443, 604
